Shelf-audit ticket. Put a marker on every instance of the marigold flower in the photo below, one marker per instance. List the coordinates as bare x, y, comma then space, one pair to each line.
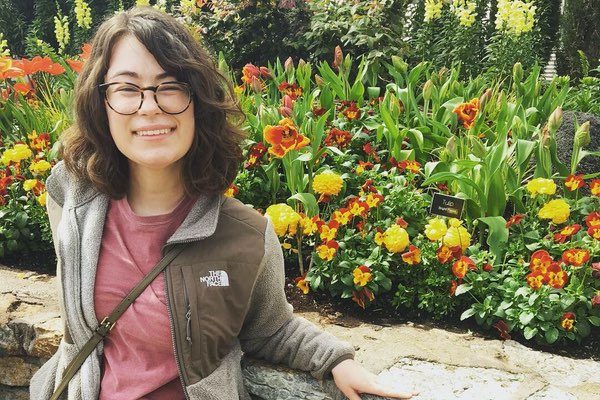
362, 275
535, 280
566, 232
435, 229
457, 235
302, 284
42, 199
567, 321
352, 111
284, 138
412, 256
593, 220
328, 183
467, 112
362, 297
575, 257
327, 250
557, 210
595, 187
410, 165
514, 220
461, 266
556, 277
284, 218
39, 167
541, 186
395, 239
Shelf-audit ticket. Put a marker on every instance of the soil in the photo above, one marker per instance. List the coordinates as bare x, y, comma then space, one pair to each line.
346, 313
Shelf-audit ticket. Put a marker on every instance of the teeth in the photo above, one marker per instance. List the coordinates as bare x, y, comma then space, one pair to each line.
153, 133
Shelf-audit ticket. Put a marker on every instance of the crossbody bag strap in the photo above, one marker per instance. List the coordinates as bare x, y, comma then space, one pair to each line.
109, 322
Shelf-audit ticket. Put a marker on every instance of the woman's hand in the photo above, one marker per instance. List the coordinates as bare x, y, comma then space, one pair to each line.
352, 379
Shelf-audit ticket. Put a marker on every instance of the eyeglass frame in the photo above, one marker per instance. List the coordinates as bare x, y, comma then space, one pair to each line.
103, 87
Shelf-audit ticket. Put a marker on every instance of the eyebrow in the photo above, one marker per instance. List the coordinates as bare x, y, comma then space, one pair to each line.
132, 74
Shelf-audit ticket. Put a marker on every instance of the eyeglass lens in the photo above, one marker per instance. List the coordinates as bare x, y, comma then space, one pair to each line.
124, 98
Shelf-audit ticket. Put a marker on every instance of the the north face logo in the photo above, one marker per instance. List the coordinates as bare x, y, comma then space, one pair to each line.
216, 278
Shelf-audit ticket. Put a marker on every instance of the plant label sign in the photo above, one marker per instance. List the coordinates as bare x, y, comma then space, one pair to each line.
448, 206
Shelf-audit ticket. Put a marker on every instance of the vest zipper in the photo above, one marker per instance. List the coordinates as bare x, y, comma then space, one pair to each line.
171, 323
188, 313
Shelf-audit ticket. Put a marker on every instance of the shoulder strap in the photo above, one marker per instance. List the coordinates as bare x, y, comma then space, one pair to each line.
108, 322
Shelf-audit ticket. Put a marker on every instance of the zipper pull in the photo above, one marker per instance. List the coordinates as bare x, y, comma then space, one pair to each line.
188, 328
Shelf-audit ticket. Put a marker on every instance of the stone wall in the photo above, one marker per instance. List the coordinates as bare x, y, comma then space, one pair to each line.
30, 329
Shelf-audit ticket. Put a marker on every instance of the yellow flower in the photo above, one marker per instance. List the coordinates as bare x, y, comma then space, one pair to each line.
557, 210
457, 235
303, 285
18, 153
515, 16
309, 226
83, 14
362, 275
435, 229
328, 183
29, 184
39, 167
379, 238
284, 219
433, 9
465, 11
541, 186
42, 199
328, 250
395, 239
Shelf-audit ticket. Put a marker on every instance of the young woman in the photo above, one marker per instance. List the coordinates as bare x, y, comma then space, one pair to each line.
152, 151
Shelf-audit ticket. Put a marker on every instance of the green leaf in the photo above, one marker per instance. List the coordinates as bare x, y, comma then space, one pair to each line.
551, 335
464, 288
468, 313
497, 237
594, 320
308, 200
583, 328
526, 317
529, 332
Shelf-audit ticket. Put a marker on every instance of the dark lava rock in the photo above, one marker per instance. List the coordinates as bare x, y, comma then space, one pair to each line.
564, 141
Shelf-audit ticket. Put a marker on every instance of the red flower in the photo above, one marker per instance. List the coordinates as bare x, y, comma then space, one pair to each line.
368, 149
368, 187
487, 267
596, 270
535, 280
461, 266
540, 261
255, 154
594, 232
574, 182
445, 253
502, 329
575, 257
318, 111
567, 321
284, 137
400, 221
337, 137
290, 89
357, 207
596, 300
514, 220
410, 165
351, 111
467, 112
566, 232
593, 220
556, 277
453, 286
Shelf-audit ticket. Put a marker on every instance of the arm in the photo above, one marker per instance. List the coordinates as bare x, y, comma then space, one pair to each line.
273, 333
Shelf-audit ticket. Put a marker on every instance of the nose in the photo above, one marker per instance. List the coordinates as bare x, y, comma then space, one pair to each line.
149, 103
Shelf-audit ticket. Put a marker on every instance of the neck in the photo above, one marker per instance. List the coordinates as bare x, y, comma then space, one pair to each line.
154, 192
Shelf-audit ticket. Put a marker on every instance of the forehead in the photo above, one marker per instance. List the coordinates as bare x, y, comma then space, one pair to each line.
130, 58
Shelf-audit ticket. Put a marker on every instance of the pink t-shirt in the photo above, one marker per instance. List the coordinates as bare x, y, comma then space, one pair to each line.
138, 353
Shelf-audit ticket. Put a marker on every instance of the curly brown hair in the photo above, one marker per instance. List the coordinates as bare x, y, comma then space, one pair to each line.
211, 163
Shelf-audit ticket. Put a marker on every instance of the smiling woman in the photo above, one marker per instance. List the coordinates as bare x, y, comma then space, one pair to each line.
140, 191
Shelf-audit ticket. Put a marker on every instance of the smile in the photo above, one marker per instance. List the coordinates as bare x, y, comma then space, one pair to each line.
155, 132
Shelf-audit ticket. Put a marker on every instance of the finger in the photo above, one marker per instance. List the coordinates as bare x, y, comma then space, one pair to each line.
396, 394
352, 395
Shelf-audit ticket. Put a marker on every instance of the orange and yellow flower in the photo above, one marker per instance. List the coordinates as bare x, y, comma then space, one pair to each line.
362, 275
514, 220
593, 220
568, 321
556, 276
594, 232
308, 225
467, 112
302, 284
290, 89
342, 216
535, 280
540, 262
362, 297
232, 190
566, 232
374, 200
351, 111
412, 256
358, 208
284, 138
462, 265
327, 250
255, 155
574, 182
410, 165
575, 257
595, 187
329, 230
338, 137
